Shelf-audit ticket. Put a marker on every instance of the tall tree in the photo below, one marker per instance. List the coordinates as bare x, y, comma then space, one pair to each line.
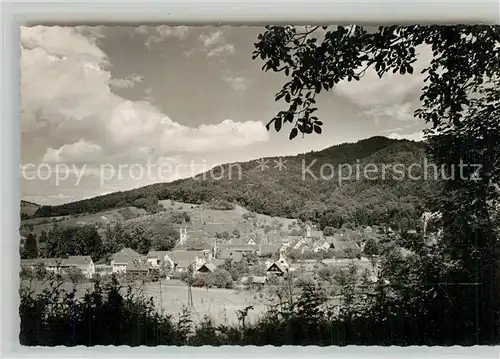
460, 98
316, 58
30, 247
87, 241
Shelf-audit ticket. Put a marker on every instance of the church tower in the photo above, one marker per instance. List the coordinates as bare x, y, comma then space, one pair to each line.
183, 235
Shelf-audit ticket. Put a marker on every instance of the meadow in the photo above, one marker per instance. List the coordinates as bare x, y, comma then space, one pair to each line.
218, 304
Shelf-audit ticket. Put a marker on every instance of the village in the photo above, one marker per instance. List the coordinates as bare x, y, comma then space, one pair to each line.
199, 254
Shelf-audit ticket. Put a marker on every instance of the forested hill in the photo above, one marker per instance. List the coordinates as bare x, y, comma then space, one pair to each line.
298, 190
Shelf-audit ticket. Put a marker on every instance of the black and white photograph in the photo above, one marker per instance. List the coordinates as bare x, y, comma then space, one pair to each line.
324, 185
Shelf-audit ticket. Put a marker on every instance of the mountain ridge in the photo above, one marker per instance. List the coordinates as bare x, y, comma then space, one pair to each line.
286, 192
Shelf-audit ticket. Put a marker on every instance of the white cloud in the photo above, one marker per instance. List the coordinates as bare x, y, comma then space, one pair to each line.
163, 32
127, 82
403, 112
72, 153
215, 38
215, 44
219, 50
237, 83
372, 91
141, 30
65, 92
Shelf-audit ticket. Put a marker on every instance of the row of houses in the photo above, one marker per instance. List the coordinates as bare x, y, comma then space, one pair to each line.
62, 265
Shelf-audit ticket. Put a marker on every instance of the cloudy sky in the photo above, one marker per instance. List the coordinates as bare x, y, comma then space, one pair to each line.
97, 98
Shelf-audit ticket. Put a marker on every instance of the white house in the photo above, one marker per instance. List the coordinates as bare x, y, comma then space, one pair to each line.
83, 263
159, 259
321, 246
123, 258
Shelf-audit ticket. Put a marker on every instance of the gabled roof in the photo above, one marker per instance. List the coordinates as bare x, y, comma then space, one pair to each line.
125, 255
277, 265
210, 266
184, 258
343, 245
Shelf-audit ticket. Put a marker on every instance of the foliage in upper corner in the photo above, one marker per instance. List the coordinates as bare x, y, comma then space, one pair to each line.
316, 58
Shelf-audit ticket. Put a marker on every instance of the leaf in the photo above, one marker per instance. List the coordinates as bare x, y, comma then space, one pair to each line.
293, 133
287, 97
277, 124
409, 69
279, 96
317, 129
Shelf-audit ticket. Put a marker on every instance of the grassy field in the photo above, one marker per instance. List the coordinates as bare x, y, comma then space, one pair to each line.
100, 218
202, 219
219, 304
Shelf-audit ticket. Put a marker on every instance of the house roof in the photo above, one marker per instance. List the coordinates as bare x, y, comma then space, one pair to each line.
210, 266
269, 248
125, 256
78, 261
239, 247
28, 262
277, 265
317, 234
259, 279
184, 258
274, 236
293, 238
139, 264
156, 254
218, 262
226, 253
343, 245
51, 262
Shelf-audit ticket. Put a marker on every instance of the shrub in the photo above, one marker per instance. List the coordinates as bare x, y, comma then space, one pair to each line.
219, 278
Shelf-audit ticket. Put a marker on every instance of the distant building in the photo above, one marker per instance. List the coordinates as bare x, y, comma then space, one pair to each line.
184, 259
129, 261
158, 259
278, 267
311, 233
206, 268
300, 244
83, 263
274, 236
269, 249
183, 235
61, 265
103, 269
342, 246
241, 248
322, 245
